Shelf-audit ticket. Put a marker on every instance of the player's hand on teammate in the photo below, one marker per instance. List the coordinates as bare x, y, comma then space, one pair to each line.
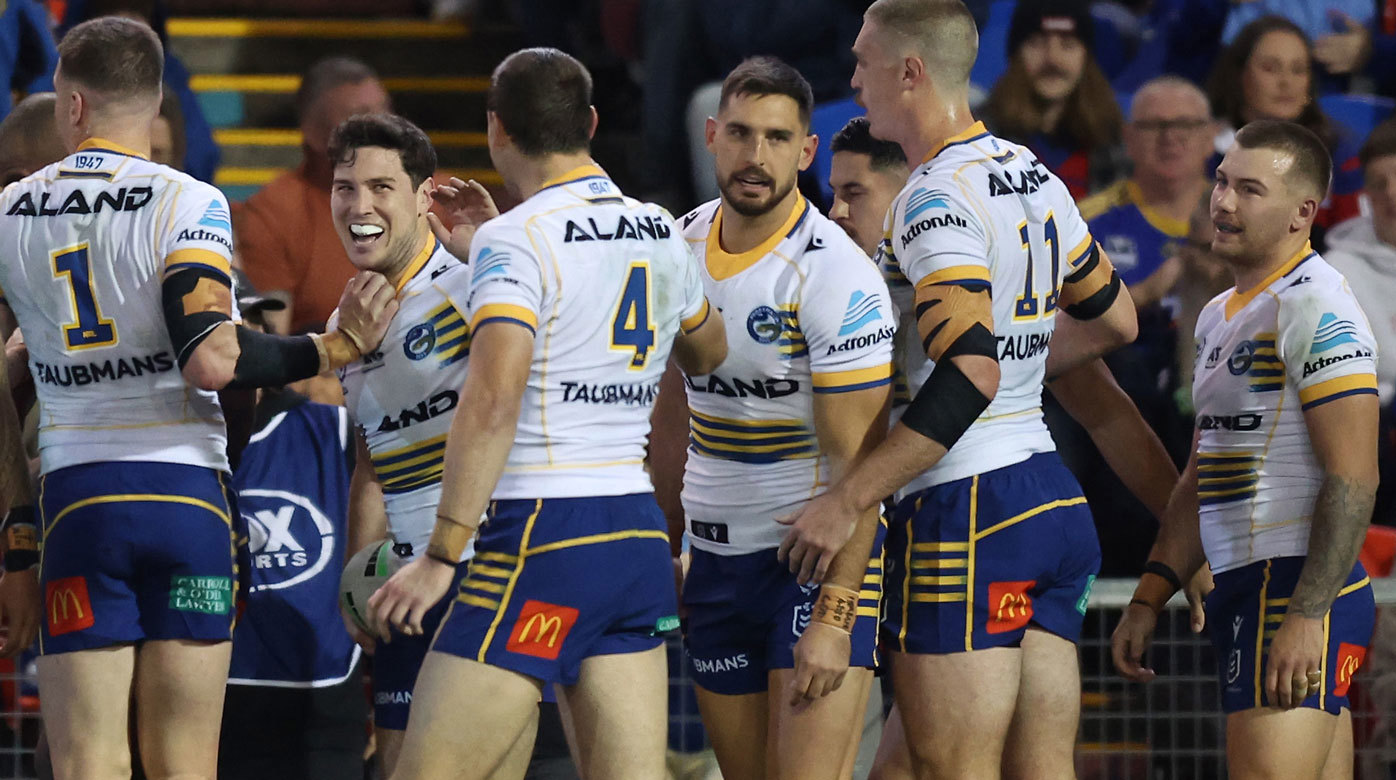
817, 533
408, 594
468, 205
1292, 671
1131, 640
1196, 591
821, 662
366, 309
20, 610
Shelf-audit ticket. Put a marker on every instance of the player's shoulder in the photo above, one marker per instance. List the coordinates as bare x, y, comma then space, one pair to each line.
1313, 279
827, 248
695, 224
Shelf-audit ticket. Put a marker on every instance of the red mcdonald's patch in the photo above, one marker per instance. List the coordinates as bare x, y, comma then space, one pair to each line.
67, 606
1009, 606
1350, 658
541, 629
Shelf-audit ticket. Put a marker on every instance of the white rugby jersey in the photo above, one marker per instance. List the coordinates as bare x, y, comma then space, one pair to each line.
806, 312
981, 210
605, 282
84, 246
1298, 340
403, 395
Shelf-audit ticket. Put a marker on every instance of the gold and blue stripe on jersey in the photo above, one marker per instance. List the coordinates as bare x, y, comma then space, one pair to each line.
443, 334
854, 379
792, 340
1260, 362
971, 277
411, 467
892, 273
183, 259
751, 441
487, 579
1338, 387
1226, 477
504, 312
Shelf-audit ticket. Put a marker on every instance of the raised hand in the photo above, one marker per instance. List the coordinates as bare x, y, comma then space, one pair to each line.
468, 205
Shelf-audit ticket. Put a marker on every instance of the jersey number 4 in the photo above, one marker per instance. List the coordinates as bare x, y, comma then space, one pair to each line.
631, 330
91, 329
1030, 305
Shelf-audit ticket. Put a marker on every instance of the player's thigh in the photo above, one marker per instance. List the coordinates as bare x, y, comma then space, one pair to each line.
737, 728
812, 741
956, 708
387, 746
1265, 743
180, 686
619, 710
466, 716
862, 723
893, 759
1339, 764
1042, 740
87, 698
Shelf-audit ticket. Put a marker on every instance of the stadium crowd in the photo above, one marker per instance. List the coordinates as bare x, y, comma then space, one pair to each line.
1134, 108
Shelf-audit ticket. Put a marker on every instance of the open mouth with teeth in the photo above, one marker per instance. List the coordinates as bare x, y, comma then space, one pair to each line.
1228, 228
751, 182
365, 235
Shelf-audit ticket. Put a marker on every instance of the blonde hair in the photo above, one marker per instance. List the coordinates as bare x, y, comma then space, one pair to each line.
942, 33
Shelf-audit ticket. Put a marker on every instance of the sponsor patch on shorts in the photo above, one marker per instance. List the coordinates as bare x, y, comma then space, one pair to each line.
209, 595
67, 605
540, 629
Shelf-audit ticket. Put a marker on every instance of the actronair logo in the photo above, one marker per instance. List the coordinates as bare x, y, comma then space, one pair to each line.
1332, 332
862, 309
1314, 366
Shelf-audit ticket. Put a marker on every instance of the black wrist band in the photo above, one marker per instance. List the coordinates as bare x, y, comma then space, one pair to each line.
1143, 603
1160, 569
21, 536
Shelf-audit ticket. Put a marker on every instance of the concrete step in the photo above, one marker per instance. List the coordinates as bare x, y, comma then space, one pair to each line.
268, 100
278, 148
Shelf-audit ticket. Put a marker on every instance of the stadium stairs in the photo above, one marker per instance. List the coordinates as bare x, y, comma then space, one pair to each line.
246, 72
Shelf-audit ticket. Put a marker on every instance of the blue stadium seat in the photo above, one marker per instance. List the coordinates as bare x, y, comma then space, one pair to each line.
993, 42
1359, 113
825, 121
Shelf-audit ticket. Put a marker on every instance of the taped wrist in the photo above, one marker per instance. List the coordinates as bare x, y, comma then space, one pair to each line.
21, 539
449, 539
948, 403
195, 301
265, 360
837, 606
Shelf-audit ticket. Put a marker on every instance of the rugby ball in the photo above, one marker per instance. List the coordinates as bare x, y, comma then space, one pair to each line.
363, 575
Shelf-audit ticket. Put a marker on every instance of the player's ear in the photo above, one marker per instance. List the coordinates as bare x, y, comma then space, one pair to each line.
1303, 218
709, 132
595, 120
424, 191
807, 152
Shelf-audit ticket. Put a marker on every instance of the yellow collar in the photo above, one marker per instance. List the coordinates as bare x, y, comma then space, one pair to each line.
580, 172
724, 265
1238, 300
972, 131
417, 262
102, 144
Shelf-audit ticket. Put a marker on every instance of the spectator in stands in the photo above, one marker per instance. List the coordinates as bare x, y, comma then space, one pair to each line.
201, 154
167, 139
865, 175
27, 51
1315, 20
1269, 72
1054, 99
285, 237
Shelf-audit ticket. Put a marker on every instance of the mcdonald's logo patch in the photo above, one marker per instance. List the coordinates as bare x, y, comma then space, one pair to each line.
1350, 659
540, 629
67, 605
1009, 605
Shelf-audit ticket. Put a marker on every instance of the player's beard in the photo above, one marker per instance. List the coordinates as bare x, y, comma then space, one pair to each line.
748, 208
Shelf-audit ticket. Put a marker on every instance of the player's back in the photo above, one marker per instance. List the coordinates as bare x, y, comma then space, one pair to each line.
604, 281
87, 243
983, 211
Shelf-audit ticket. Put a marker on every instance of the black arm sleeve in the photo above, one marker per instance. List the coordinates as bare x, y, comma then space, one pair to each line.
264, 360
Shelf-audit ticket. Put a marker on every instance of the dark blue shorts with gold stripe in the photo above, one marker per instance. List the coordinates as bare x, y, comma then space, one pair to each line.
1248, 606
557, 580
135, 551
972, 563
746, 612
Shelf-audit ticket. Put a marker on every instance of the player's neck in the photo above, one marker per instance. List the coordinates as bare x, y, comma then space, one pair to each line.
1174, 197
530, 174
404, 265
741, 233
931, 129
1249, 275
126, 138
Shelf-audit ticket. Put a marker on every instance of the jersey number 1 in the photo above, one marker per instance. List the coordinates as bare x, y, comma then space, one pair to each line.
1029, 306
91, 328
631, 330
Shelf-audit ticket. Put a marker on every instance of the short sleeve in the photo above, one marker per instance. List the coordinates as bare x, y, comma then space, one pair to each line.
938, 239
200, 233
848, 322
696, 309
1327, 347
1074, 234
506, 279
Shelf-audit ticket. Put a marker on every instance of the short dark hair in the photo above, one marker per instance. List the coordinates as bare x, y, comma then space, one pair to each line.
542, 97
385, 131
760, 76
117, 57
327, 74
1311, 161
856, 137
1381, 143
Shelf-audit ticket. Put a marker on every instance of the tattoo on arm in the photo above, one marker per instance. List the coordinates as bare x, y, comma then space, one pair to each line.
1341, 516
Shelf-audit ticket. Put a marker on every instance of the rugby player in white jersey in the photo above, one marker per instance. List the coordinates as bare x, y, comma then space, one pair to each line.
578, 295
801, 397
117, 270
991, 550
1278, 492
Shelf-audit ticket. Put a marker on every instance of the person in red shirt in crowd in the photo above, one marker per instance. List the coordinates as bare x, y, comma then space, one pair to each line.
286, 240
